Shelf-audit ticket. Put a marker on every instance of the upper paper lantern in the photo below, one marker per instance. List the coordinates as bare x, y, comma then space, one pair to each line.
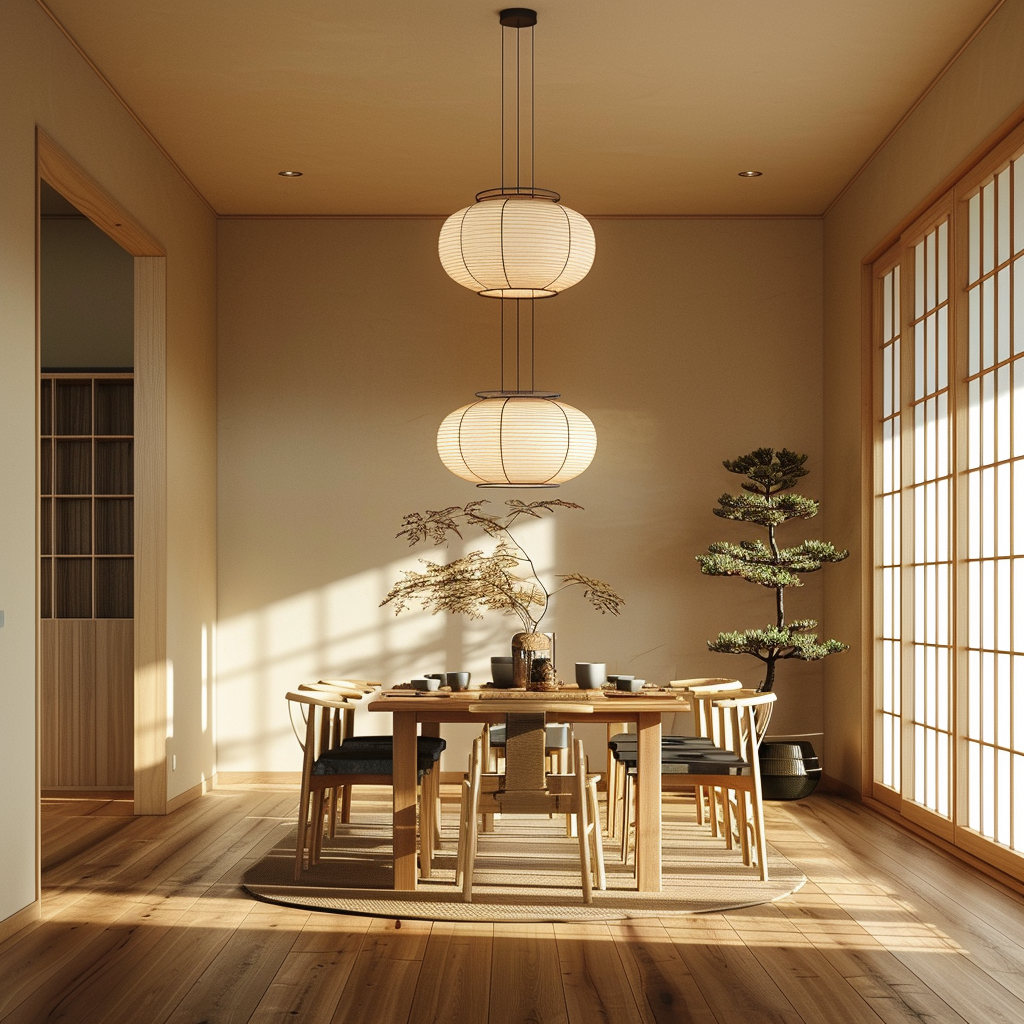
517, 245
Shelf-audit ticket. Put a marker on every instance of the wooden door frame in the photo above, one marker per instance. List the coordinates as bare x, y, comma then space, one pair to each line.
62, 173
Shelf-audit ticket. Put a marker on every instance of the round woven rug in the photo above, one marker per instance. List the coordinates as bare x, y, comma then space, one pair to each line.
526, 870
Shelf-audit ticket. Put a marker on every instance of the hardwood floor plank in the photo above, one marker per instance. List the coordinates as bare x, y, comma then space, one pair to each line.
526, 983
177, 962
382, 984
594, 980
454, 981
75, 994
331, 933
239, 975
307, 988
815, 989
663, 987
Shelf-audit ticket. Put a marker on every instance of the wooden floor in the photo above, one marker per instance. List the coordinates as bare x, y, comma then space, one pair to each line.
143, 922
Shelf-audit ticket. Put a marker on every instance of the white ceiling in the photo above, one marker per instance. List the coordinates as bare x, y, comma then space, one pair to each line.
643, 107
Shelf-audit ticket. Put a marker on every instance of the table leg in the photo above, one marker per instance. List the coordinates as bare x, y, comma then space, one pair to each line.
648, 804
404, 796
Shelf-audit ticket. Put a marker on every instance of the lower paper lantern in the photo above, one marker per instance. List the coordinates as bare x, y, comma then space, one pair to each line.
517, 441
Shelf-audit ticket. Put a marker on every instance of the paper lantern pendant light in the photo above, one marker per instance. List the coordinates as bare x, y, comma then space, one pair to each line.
516, 245
517, 439
517, 241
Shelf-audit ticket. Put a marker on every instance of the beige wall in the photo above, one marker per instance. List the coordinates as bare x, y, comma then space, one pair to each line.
983, 88
342, 346
44, 82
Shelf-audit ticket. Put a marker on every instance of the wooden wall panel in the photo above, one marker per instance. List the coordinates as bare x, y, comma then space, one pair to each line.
86, 725
115, 703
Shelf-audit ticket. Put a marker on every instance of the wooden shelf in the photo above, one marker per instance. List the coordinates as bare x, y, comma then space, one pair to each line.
86, 495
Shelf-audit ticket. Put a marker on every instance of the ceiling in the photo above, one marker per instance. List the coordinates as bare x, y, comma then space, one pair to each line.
650, 107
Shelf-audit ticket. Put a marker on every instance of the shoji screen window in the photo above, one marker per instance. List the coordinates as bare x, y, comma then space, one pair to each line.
913, 526
888, 514
948, 341
993, 528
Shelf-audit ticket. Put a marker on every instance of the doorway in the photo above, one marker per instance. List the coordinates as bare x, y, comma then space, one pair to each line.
127, 588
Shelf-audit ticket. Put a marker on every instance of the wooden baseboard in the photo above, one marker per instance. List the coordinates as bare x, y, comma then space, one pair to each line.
191, 794
258, 778
840, 788
20, 919
85, 793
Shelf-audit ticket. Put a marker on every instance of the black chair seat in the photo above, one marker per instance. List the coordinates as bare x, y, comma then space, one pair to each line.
334, 762
669, 745
714, 761
373, 755
382, 746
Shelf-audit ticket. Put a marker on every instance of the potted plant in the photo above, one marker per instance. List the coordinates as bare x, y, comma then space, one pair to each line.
769, 474
505, 581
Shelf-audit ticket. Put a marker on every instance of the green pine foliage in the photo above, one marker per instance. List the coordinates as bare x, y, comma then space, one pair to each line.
768, 474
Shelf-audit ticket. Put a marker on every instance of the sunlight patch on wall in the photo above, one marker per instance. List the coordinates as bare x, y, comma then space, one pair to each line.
340, 631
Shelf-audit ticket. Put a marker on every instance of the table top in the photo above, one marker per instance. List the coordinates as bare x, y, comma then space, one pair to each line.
603, 702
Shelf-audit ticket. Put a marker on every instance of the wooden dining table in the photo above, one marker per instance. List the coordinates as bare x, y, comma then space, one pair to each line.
413, 711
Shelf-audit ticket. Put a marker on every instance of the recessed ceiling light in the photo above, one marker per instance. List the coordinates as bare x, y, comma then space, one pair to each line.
751, 174
290, 174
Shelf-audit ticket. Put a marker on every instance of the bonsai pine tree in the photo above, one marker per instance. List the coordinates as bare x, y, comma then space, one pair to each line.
769, 474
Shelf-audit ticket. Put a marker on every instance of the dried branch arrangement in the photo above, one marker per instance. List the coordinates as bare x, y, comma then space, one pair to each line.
504, 581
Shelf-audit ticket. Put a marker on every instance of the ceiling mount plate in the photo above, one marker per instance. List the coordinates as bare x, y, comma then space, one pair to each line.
518, 17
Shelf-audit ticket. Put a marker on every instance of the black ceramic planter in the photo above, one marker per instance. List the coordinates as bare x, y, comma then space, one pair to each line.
789, 771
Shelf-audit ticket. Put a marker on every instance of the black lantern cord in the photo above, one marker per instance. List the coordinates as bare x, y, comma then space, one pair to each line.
519, 354
519, 18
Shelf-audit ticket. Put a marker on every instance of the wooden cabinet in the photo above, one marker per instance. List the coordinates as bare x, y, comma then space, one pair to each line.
86, 579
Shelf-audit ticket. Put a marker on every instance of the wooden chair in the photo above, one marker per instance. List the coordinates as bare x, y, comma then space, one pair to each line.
339, 803
332, 761
622, 744
730, 770
526, 788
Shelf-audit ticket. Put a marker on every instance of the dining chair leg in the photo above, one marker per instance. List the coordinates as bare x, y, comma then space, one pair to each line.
614, 782
594, 822
303, 830
437, 811
757, 820
331, 797
472, 811
317, 838
584, 836
460, 856
743, 826
627, 807
346, 804
427, 808
580, 780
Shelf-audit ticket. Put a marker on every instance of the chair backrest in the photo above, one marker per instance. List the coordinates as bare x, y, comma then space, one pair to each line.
365, 685
327, 720
679, 722
740, 723
705, 684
